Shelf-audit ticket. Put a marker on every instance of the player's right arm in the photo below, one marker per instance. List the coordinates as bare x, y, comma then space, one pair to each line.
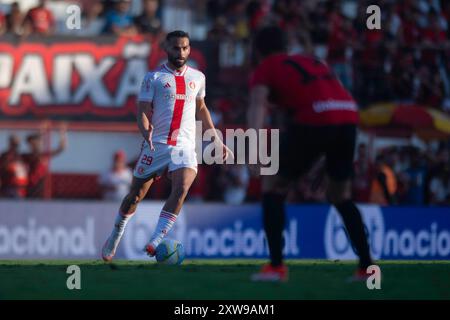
145, 110
144, 113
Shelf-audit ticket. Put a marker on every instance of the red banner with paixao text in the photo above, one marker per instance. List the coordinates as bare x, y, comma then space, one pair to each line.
77, 79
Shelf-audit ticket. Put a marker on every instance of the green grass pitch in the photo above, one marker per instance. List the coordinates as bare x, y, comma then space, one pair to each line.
219, 279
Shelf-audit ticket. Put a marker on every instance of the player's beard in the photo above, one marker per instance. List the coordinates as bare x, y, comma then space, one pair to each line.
177, 63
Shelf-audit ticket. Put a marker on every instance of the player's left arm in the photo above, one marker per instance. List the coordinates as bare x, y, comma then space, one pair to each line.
202, 114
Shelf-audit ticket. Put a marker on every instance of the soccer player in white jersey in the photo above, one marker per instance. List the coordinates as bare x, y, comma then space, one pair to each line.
171, 98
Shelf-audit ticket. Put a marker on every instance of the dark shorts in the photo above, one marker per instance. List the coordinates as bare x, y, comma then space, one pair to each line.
301, 146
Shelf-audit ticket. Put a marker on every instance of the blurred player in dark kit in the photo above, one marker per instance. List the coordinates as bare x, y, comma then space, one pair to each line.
321, 118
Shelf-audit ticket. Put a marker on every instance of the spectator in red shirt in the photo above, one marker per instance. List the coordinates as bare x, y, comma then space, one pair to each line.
13, 173
40, 20
38, 162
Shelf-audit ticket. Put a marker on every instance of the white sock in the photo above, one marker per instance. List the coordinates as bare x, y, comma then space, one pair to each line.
165, 223
119, 225
116, 234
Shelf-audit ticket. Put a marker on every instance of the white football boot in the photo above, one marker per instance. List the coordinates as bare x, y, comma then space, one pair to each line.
111, 244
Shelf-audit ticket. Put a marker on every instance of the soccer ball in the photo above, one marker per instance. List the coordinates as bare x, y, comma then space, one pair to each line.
170, 252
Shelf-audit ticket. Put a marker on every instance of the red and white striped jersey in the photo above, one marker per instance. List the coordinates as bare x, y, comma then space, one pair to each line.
174, 97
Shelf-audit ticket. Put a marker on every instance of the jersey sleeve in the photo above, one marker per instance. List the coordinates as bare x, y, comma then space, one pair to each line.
261, 75
147, 90
202, 91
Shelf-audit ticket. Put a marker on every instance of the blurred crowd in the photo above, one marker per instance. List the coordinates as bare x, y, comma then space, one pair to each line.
96, 18
25, 174
407, 61
404, 176
393, 176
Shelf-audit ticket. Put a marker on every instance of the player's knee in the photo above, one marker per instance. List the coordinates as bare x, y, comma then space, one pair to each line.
180, 191
130, 200
136, 199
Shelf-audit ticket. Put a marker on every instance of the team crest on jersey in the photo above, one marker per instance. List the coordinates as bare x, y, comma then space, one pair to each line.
192, 85
141, 170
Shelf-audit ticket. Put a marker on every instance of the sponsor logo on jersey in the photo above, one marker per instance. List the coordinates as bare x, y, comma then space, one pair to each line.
330, 105
178, 96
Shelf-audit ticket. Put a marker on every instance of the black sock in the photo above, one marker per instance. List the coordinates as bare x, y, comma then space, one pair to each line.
274, 219
355, 229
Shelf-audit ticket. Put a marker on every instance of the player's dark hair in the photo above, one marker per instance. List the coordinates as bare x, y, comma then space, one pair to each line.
177, 34
270, 40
